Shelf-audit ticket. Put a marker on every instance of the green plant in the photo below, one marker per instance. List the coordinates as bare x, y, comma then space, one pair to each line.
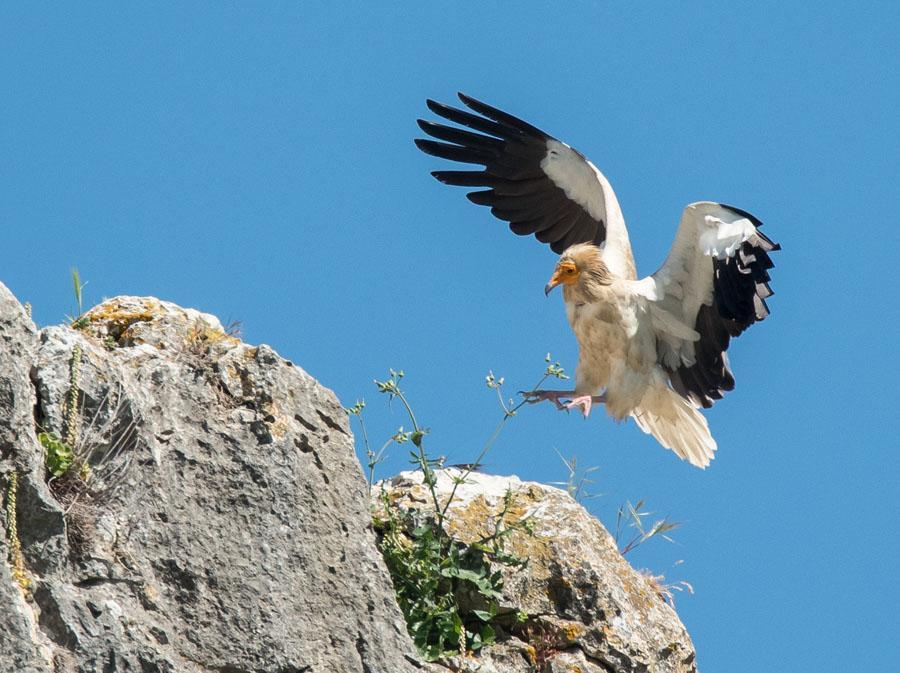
373, 458
71, 434
58, 455
90, 466
79, 321
577, 479
16, 558
633, 516
448, 591
101, 441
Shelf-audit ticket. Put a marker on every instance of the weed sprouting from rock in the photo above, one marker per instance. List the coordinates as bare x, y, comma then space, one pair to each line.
16, 558
632, 516
448, 590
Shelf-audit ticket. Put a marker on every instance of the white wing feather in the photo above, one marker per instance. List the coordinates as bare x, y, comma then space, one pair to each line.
685, 280
584, 184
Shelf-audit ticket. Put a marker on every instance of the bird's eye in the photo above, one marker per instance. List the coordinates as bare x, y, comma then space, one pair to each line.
570, 270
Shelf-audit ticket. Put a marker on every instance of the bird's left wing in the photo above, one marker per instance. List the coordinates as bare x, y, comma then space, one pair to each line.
538, 184
712, 286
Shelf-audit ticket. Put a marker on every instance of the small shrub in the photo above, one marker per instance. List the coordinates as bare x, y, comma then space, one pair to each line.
58, 456
432, 574
448, 591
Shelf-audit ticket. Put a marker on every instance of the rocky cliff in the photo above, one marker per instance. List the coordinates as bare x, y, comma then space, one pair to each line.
218, 519
175, 500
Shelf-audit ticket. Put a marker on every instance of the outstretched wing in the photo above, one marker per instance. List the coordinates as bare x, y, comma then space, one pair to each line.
538, 184
715, 280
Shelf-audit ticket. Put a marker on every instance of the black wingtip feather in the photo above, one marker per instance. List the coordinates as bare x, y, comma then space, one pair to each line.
482, 198
466, 178
500, 116
512, 152
466, 155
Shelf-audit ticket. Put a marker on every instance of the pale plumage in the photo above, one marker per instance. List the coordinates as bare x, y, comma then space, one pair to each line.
655, 347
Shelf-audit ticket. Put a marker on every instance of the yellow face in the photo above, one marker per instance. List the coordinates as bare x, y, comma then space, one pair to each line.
566, 274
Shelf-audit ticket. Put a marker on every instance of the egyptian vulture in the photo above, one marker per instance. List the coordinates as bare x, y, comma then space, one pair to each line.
651, 348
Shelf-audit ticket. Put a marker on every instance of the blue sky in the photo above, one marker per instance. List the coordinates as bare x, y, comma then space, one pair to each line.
256, 162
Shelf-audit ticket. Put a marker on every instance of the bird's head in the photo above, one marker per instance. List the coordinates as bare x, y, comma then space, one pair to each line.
581, 271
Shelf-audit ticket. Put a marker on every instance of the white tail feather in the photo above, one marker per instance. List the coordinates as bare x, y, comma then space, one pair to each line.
676, 424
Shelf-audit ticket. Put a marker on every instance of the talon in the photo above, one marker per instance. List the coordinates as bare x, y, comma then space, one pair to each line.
584, 401
535, 396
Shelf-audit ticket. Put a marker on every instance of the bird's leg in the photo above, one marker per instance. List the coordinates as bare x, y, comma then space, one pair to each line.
555, 396
535, 396
585, 402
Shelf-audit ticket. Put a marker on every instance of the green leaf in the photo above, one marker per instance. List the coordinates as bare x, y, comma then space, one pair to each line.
487, 590
463, 574
483, 615
77, 286
430, 652
58, 456
421, 531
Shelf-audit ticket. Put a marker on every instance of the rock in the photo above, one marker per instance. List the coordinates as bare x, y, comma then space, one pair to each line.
216, 518
19, 453
588, 609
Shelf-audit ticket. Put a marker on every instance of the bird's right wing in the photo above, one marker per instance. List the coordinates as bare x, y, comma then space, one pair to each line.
538, 184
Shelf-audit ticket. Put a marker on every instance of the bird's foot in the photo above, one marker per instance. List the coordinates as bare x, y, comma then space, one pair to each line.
585, 402
535, 396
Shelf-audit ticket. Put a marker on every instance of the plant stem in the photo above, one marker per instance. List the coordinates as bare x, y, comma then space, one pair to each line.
71, 434
362, 427
507, 414
17, 560
429, 478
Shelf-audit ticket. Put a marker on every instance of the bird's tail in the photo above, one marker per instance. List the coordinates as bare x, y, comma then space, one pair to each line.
676, 424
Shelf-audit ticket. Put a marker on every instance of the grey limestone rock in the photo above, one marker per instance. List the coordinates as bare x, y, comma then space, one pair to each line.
588, 610
218, 520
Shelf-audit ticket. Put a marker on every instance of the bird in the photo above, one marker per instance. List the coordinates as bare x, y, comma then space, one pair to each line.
655, 348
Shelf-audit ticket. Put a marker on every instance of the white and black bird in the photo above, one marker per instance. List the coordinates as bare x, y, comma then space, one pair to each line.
653, 348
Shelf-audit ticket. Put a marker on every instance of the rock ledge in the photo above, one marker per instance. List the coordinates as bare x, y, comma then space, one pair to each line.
589, 610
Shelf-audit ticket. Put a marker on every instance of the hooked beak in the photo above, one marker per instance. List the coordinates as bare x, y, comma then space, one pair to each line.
554, 281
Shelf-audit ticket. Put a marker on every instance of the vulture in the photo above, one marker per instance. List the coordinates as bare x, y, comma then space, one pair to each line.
654, 348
